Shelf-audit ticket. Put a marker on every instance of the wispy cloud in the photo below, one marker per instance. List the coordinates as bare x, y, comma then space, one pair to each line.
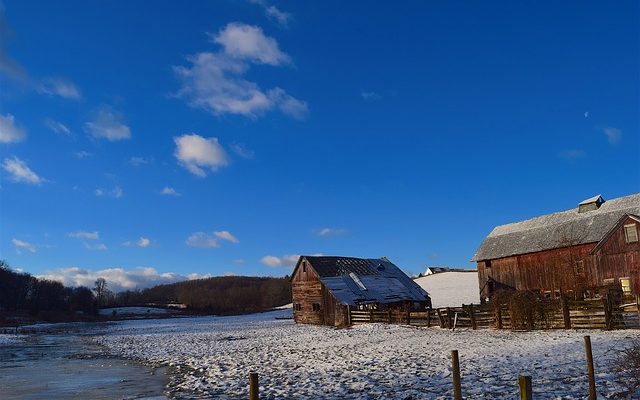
280, 17
573, 154
226, 235
9, 131
326, 232
202, 240
95, 246
118, 279
242, 151
143, 242
83, 154
138, 161
94, 235
195, 152
614, 135
284, 261
57, 127
21, 245
116, 192
59, 87
107, 124
169, 191
370, 96
20, 172
215, 81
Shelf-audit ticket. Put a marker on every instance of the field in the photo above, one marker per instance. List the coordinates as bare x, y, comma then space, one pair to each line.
211, 357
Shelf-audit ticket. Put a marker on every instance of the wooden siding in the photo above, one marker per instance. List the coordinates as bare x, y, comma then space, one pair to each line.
307, 290
555, 270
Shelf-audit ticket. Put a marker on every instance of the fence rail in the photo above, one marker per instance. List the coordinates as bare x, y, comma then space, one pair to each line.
552, 314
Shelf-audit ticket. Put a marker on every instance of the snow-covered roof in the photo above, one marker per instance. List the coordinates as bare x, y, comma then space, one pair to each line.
557, 230
354, 281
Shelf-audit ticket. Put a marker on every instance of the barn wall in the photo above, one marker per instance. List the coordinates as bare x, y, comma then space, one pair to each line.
307, 289
617, 258
548, 270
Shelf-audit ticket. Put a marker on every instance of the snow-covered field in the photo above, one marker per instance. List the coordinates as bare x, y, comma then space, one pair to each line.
212, 357
134, 311
451, 289
9, 339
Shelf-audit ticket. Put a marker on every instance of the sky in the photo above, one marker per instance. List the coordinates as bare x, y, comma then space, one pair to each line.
153, 142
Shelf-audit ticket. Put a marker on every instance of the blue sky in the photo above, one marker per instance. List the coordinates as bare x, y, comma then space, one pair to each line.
149, 142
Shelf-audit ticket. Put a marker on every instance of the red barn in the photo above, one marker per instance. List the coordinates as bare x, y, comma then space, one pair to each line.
325, 289
571, 253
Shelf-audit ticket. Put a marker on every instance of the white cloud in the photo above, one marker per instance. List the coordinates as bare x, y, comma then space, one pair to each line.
195, 152
20, 172
370, 96
202, 240
284, 261
248, 42
116, 192
137, 161
143, 242
613, 135
215, 81
273, 13
96, 246
331, 232
107, 124
60, 87
118, 279
83, 154
22, 245
226, 235
169, 191
242, 151
57, 127
85, 235
9, 131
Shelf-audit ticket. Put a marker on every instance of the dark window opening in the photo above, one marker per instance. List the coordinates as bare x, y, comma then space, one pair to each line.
487, 264
297, 307
304, 266
557, 294
316, 307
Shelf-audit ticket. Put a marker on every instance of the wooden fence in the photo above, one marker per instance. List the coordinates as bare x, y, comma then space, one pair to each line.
551, 314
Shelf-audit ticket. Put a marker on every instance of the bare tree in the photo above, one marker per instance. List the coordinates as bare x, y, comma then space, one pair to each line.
101, 289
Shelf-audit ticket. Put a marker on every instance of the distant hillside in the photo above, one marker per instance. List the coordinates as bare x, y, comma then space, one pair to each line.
451, 289
219, 295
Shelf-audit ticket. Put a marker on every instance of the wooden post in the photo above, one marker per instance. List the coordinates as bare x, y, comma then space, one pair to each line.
449, 322
428, 317
371, 315
253, 386
440, 318
526, 391
499, 316
590, 371
607, 312
455, 366
409, 315
389, 316
566, 315
472, 316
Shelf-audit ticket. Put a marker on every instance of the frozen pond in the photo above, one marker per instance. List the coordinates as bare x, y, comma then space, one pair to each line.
71, 366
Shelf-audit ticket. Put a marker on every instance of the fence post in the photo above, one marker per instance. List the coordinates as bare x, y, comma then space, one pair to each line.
370, 315
349, 315
388, 316
429, 317
449, 322
409, 315
590, 371
472, 316
607, 312
526, 391
499, 316
253, 386
455, 366
440, 319
566, 315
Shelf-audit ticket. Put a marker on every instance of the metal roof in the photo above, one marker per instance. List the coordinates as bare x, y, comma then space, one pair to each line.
354, 281
556, 230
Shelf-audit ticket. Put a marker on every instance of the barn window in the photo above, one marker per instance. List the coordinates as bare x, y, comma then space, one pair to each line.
316, 306
487, 264
630, 233
297, 307
557, 294
626, 285
304, 266
547, 294
579, 267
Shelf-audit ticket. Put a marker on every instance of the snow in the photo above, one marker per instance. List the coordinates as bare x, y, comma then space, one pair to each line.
451, 289
134, 311
9, 339
211, 357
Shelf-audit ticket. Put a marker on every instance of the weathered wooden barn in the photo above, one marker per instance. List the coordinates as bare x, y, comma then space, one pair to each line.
573, 253
326, 289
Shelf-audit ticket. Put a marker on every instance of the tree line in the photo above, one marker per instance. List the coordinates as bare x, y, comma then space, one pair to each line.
222, 295
21, 291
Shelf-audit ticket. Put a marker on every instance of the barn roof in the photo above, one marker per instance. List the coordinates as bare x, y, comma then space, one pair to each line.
354, 281
557, 230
